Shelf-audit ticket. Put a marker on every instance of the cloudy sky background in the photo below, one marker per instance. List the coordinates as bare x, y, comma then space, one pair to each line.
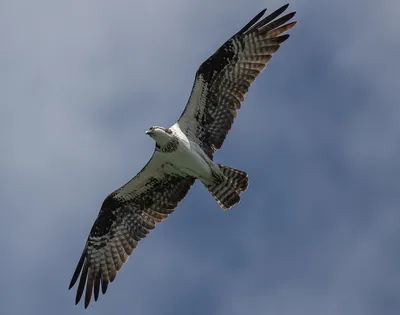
319, 134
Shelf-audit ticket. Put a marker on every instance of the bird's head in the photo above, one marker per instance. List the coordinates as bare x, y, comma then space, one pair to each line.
159, 134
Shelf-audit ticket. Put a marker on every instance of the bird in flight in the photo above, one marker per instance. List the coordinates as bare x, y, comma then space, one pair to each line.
183, 153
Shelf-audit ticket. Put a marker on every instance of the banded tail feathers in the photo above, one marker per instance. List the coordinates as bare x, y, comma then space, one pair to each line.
227, 192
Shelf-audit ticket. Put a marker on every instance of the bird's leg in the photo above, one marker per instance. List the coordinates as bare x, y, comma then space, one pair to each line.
218, 176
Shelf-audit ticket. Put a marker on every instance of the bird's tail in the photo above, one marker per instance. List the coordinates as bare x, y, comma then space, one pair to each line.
227, 191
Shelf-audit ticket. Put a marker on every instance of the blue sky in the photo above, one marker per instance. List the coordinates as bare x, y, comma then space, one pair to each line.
318, 134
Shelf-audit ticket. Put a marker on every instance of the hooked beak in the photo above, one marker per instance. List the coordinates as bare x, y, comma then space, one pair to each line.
148, 132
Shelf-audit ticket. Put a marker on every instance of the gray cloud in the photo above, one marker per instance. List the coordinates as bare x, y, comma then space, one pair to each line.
318, 134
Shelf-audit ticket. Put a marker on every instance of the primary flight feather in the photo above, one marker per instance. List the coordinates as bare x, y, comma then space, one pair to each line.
183, 153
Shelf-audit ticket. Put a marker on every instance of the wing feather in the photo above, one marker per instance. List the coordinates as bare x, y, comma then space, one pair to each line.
223, 80
126, 216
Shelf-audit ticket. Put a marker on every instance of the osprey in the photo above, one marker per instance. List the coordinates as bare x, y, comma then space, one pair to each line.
183, 153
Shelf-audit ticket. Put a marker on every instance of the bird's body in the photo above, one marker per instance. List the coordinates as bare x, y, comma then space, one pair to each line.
188, 158
183, 153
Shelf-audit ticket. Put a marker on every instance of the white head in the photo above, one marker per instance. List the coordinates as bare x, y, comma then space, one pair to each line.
160, 135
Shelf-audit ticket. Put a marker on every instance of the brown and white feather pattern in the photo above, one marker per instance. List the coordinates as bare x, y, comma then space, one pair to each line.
126, 216
223, 80
227, 193
169, 147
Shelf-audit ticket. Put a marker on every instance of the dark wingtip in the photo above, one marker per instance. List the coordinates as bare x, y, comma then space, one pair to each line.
279, 11
288, 16
77, 270
77, 299
261, 13
96, 287
75, 275
271, 17
284, 7
89, 289
104, 285
81, 285
282, 38
88, 296
252, 22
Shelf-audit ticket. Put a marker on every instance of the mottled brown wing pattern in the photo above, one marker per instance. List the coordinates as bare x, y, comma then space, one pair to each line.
223, 80
125, 219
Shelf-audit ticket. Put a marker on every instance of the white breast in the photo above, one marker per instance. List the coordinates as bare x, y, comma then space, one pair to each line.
189, 159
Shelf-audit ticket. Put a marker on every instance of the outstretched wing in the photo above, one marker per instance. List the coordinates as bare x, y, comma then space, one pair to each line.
126, 216
223, 80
